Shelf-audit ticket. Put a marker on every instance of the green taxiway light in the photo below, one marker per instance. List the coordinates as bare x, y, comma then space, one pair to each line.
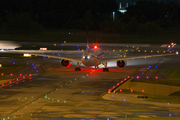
48, 98
21, 115
75, 79
52, 99
56, 88
51, 91
18, 98
31, 114
70, 81
25, 97
64, 101
32, 97
14, 116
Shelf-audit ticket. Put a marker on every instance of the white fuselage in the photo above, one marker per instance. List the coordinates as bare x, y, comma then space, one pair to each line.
92, 57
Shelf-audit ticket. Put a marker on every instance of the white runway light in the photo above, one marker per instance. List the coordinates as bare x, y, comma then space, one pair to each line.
177, 53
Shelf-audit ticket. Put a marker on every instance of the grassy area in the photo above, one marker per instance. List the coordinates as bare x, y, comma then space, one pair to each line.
8, 69
164, 99
93, 36
163, 81
173, 74
152, 118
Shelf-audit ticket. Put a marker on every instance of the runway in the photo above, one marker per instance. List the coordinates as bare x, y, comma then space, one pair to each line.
61, 93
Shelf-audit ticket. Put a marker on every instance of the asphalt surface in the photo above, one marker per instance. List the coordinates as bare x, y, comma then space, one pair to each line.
61, 93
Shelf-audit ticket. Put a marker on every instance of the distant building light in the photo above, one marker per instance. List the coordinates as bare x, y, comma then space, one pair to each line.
43, 49
26, 55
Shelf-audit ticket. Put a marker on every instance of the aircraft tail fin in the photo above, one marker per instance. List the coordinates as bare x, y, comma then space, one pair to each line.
87, 43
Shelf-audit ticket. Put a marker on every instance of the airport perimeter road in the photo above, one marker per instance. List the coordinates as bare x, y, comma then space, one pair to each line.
62, 93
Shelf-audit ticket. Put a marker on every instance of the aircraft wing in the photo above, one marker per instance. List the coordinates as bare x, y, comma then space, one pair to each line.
126, 58
76, 59
41, 53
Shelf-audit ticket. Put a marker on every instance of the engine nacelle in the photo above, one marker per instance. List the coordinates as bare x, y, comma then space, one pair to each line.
121, 63
65, 63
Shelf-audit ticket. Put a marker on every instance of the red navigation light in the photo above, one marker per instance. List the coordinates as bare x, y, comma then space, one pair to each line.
95, 47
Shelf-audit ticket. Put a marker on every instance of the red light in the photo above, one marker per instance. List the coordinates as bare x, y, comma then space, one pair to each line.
131, 90
9, 81
172, 44
2, 84
29, 78
120, 90
117, 84
109, 90
30, 75
17, 83
125, 79
2, 73
11, 74
20, 74
156, 77
142, 90
147, 77
95, 47
113, 86
121, 81
17, 79
23, 76
128, 77
23, 80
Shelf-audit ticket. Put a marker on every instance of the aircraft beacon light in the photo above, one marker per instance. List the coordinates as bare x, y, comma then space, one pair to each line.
95, 47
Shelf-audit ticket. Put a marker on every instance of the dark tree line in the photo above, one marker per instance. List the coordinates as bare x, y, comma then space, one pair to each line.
143, 18
146, 18
69, 14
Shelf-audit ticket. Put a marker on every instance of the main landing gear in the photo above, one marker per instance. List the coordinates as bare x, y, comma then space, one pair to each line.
105, 69
78, 67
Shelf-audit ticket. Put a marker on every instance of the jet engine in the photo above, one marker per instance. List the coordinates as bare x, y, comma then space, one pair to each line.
65, 63
121, 63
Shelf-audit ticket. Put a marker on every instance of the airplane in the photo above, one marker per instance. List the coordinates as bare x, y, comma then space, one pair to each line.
93, 57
